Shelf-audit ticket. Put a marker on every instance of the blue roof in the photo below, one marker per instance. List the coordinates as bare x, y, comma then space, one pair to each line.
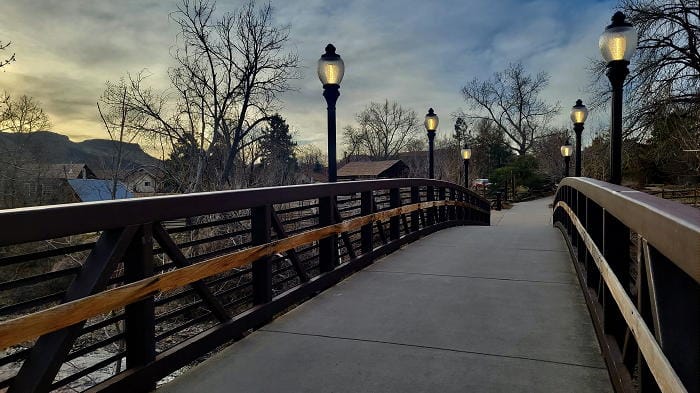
91, 190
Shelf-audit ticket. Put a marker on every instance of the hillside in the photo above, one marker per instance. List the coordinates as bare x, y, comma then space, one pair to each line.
52, 148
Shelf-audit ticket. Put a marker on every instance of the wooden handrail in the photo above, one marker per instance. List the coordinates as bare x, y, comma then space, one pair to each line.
660, 367
74, 218
672, 228
29, 326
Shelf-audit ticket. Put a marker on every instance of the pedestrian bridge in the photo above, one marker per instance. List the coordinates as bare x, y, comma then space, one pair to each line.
373, 286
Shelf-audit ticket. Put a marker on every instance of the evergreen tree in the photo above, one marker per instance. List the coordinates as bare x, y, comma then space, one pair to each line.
278, 158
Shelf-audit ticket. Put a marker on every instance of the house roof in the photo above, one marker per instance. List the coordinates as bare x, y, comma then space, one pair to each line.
65, 171
368, 168
154, 172
91, 190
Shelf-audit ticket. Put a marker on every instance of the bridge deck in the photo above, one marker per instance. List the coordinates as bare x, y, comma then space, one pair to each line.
467, 309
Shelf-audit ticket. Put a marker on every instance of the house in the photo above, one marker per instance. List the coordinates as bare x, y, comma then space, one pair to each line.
50, 184
145, 180
373, 170
47, 184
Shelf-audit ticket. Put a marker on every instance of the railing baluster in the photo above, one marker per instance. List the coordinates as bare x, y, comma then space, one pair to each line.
675, 300
432, 210
594, 227
394, 202
442, 216
139, 321
366, 231
262, 268
616, 250
581, 214
415, 216
328, 247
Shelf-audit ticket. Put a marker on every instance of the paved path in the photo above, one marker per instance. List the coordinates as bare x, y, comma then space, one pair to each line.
467, 309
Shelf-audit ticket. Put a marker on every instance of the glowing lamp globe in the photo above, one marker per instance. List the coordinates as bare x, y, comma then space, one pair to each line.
431, 121
567, 150
330, 67
619, 40
579, 113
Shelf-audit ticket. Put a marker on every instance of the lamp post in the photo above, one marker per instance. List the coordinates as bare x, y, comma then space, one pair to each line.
566, 151
579, 113
617, 44
466, 155
330, 71
431, 124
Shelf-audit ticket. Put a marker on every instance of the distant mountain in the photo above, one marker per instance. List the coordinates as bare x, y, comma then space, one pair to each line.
52, 148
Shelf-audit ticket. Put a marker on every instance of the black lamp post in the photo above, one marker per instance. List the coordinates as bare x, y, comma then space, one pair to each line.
431, 124
617, 44
466, 155
566, 152
579, 113
330, 71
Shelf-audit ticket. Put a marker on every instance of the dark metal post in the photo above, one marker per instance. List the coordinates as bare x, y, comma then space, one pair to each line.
452, 211
328, 247
499, 205
366, 231
617, 71
261, 222
394, 222
331, 93
616, 250
415, 215
567, 160
578, 129
431, 161
442, 209
466, 174
139, 322
431, 210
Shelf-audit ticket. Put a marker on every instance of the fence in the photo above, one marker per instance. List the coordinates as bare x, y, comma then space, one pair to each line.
103, 296
638, 261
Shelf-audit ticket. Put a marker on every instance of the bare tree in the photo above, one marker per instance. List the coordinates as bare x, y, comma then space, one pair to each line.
121, 123
229, 74
22, 115
19, 116
511, 100
4, 62
665, 69
383, 130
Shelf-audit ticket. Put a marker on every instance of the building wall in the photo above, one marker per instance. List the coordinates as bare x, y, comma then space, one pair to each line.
142, 182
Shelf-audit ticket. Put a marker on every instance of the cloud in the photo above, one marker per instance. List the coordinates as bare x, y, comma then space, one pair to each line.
416, 52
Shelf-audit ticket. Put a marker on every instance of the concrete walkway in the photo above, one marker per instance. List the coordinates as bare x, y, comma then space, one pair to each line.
467, 309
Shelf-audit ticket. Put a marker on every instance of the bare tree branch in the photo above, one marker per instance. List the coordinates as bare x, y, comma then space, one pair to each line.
511, 100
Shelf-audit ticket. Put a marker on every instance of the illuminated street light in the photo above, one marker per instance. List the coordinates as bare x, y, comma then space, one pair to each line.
579, 113
431, 125
566, 151
330, 71
617, 44
466, 154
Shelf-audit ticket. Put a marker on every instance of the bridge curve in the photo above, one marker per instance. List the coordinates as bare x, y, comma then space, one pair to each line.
117, 296
472, 308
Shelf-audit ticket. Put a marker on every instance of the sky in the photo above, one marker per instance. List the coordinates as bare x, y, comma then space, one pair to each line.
416, 52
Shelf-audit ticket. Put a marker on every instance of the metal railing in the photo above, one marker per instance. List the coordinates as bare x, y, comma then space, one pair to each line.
115, 296
638, 261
